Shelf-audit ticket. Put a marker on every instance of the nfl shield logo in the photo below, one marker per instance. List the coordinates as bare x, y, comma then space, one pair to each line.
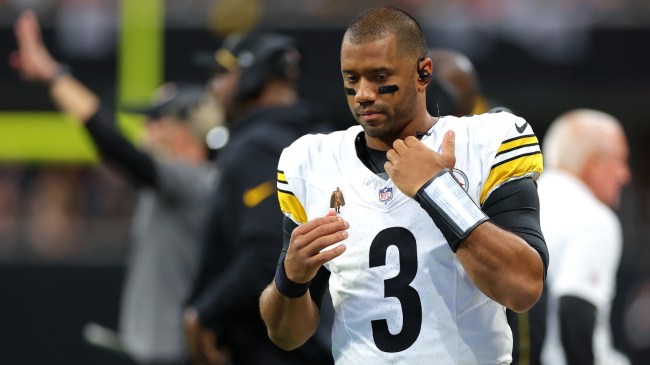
385, 194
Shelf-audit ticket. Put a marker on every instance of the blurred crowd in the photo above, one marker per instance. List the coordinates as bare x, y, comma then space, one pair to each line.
87, 27
63, 213
337, 13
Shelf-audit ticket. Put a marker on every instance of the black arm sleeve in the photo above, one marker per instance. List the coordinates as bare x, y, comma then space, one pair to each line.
115, 148
514, 206
577, 323
319, 283
537, 319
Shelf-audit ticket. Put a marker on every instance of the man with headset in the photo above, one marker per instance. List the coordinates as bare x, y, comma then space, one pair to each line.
440, 229
256, 83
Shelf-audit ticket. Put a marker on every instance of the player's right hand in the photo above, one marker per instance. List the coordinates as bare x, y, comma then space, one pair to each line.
307, 252
411, 164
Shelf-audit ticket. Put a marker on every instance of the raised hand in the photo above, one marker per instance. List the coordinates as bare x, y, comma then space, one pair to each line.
32, 60
411, 164
306, 255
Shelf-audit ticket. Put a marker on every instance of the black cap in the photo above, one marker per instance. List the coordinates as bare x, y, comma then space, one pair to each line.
260, 57
171, 100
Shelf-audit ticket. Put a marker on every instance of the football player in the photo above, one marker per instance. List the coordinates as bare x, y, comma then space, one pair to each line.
440, 228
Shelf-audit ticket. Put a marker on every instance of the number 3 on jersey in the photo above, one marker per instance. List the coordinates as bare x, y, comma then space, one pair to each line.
398, 287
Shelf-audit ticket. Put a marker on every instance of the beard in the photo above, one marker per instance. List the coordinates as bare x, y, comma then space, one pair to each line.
392, 120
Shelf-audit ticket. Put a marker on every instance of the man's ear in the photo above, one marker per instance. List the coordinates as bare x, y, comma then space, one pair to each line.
590, 167
425, 69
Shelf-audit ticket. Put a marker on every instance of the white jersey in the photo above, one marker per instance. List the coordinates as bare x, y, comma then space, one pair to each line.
400, 294
585, 254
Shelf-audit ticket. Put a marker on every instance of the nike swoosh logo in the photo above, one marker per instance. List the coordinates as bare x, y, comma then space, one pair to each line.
252, 197
522, 128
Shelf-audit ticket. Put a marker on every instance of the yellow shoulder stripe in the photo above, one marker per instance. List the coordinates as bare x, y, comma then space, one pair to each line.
513, 143
289, 204
525, 164
281, 177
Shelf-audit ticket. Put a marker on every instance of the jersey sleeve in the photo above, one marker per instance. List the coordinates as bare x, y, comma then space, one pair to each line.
514, 152
291, 181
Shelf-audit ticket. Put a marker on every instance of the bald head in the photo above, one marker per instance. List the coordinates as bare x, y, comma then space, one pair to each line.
590, 145
381, 22
575, 135
457, 71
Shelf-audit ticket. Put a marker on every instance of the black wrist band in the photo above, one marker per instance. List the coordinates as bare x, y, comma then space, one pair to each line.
287, 287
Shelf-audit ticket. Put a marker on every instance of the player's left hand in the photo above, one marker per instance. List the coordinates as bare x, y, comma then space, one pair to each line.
411, 164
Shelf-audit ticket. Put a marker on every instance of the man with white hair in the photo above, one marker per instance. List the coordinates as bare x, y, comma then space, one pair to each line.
585, 153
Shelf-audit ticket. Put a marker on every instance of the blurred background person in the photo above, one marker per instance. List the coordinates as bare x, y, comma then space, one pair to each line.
9, 204
637, 321
173, 175
585, 153
456, 87
256, 84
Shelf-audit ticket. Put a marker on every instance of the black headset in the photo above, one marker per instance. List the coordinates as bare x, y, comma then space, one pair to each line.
424, 75
444, 99
273, 55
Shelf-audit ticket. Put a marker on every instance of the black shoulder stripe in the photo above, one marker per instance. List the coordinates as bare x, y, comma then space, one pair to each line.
518, 137
516, 148
515, 157
285, 192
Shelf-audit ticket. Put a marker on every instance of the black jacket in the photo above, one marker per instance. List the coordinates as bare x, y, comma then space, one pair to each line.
243, 238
